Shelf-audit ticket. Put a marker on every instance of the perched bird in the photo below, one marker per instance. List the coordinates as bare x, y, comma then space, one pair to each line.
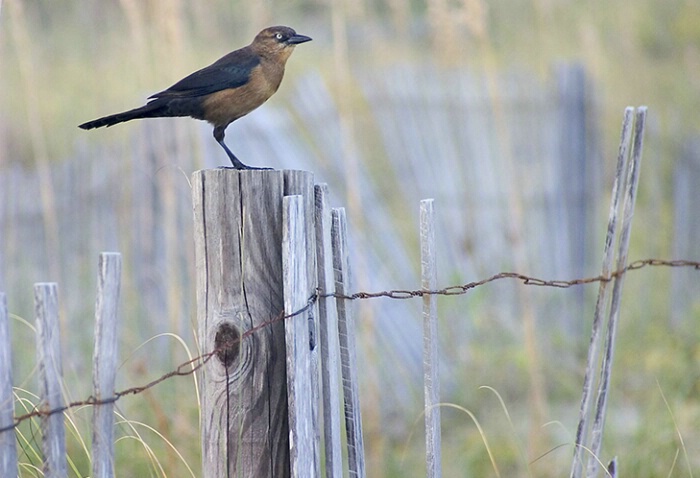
222, 92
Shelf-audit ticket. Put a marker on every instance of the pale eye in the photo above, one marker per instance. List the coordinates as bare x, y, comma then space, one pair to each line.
279, 36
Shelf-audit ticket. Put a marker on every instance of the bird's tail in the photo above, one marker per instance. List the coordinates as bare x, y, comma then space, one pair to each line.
153, 109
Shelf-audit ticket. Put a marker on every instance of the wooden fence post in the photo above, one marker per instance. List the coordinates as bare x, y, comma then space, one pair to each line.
105, 363
8, 447
431, 368
297, 340
50, 379
238, 253
328, 333
348, 352
582, 439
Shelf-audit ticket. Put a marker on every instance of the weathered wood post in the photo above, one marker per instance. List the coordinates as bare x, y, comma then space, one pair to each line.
8, 446
104, 361
53, 441
238, 248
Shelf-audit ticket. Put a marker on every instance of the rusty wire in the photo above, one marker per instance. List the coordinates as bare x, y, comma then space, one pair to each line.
191, 366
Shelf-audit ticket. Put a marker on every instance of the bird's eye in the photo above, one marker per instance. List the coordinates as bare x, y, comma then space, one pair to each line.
279, 36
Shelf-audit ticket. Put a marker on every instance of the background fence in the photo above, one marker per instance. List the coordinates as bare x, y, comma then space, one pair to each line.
334, 338
518, 178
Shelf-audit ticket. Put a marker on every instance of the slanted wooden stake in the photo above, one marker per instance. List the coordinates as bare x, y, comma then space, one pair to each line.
238, 252
582, 441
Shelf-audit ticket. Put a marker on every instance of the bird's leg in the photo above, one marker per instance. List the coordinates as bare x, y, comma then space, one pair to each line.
237, 164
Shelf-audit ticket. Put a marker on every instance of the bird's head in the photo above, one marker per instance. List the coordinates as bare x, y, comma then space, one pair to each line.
278, 42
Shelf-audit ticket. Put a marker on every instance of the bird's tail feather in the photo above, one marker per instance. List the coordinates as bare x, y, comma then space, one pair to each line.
153, 109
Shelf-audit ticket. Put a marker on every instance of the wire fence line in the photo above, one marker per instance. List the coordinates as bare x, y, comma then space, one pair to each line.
193, 365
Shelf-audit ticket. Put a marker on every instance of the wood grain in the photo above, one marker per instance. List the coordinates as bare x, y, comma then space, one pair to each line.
238, 252
105, 363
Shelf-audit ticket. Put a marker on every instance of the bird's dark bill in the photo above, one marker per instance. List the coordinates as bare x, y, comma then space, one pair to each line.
296, 39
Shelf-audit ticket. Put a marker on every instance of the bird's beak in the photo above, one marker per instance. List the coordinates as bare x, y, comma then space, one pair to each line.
296, 39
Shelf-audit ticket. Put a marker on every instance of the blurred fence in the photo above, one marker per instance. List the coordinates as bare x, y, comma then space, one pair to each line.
514, 162
230, 234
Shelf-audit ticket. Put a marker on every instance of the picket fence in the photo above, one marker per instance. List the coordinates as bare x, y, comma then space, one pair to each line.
277, 328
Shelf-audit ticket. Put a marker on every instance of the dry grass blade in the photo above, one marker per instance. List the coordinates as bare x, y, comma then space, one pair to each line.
678, 432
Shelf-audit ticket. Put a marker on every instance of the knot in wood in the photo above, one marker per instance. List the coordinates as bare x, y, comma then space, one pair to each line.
227, 343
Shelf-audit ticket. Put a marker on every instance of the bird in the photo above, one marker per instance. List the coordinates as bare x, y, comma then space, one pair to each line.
224, 91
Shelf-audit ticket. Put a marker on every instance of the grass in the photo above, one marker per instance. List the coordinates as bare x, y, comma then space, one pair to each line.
86, 61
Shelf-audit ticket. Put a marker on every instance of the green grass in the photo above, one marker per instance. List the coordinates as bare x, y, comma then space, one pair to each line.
86, 62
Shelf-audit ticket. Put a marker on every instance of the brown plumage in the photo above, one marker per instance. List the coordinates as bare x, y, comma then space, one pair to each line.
222, 92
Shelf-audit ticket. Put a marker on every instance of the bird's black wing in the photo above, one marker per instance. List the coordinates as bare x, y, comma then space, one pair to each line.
231, 71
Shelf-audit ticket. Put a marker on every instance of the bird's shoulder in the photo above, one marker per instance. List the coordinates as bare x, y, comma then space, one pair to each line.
230, 71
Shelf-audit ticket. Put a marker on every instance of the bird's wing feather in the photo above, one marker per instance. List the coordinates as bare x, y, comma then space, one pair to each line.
221, 75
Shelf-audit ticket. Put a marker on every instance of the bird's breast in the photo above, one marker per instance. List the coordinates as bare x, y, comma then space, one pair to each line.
226, 106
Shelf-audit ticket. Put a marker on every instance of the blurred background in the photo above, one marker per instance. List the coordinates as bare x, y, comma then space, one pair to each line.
506, 112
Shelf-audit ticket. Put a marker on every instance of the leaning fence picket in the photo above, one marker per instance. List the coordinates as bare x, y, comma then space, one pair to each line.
603, 293
105, 363
328, 322
431, 374
348, 359
623, 248
50, 379
8, 447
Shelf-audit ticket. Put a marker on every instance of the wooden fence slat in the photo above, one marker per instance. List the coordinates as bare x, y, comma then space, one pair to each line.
685, 288
328, 322
603, 293
105, 363
8, 445
431, 369
298, 182
297, 339
348, 354
50, 379
238, 253
632, 182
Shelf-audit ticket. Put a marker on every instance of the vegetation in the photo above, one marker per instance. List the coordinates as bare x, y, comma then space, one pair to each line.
66, 62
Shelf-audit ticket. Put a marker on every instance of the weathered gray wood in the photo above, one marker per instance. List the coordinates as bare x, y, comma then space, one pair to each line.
632, 182
238, 253
301, 183
328, 321
50, 379
431, 369
8, 445
603, 293
346, 337
685, 288
575, 188
299, 370
105, 362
